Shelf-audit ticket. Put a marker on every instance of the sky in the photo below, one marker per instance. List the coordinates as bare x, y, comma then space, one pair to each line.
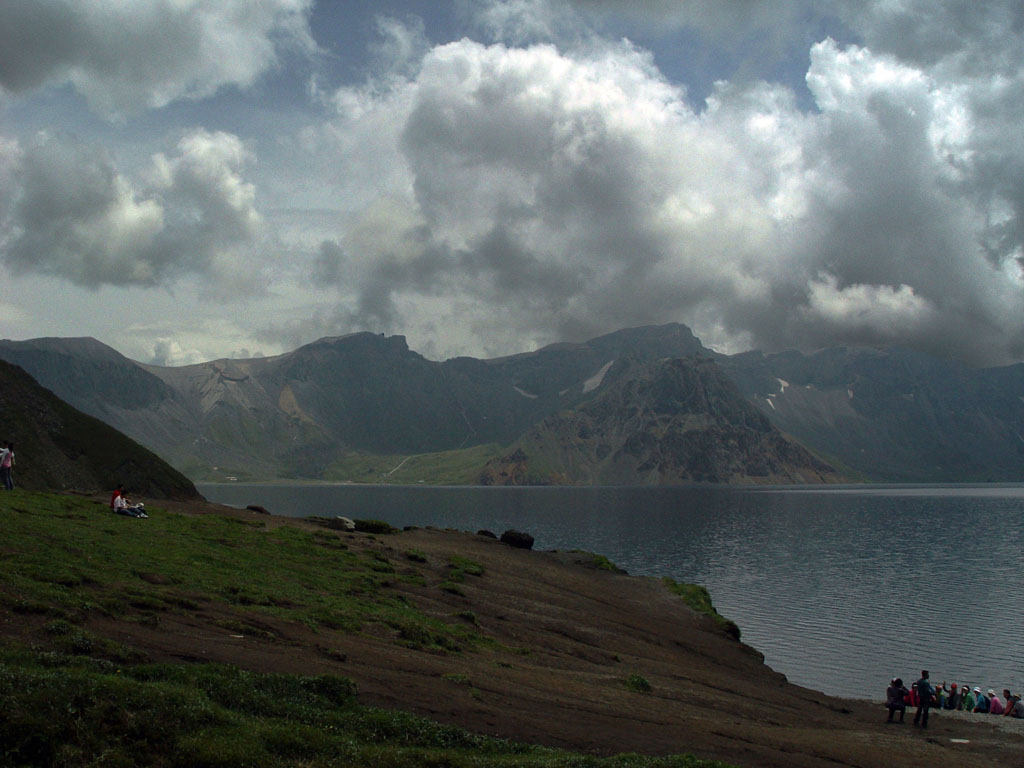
186, 180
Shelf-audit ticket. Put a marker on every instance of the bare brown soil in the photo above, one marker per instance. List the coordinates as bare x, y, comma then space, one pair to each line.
567, 636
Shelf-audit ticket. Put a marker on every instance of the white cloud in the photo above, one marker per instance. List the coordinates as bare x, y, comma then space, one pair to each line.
127, 56
169, 352
560, 192
76, 216
553, 184
883, 313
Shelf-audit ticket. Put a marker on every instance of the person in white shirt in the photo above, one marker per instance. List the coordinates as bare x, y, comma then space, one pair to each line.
119, 503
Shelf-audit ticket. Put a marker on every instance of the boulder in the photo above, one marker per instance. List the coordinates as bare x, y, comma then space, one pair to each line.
257, 508
518, 539
487, 533
340, 523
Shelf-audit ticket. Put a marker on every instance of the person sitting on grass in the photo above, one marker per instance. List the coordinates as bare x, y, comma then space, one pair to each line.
120, 504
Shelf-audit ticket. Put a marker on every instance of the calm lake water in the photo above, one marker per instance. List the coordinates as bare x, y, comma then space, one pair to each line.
840, 588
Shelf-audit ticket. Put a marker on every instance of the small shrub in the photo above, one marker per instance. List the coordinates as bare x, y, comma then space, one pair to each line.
59, 627
468, 616
373, 526
452, 588
458, 679
463, 565
334, 653
416, 556
638, 684
600, 562
81, 643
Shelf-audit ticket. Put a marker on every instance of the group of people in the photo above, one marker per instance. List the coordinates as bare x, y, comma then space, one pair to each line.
120, 504
7, 466
925, 696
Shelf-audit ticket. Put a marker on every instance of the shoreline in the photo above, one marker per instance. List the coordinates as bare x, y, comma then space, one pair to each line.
564, 640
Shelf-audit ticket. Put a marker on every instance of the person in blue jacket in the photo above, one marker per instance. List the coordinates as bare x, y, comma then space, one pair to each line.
980, 701
924, 699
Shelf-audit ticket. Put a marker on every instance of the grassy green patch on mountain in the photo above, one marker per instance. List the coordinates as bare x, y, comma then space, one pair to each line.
697, 597
71, 696
72, 559
75, 711
460, 467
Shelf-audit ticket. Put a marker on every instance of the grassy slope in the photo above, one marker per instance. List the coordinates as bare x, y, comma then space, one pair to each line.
461, 467
71, 696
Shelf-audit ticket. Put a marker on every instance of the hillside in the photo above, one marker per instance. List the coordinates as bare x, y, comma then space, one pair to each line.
669, 422
57, 447
209, 636
891, 414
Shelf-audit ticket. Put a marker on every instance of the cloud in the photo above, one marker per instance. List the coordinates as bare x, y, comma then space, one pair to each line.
330, 261
127, 56
975, 39
882, 313
169, 352
74, 215
561, 192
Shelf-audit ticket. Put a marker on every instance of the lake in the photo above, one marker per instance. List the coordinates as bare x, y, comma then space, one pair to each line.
841, 588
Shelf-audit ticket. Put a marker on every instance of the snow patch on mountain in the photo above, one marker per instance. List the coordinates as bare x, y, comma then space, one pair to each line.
595, 381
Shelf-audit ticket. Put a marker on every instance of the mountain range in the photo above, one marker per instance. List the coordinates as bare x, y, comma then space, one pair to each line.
646, 405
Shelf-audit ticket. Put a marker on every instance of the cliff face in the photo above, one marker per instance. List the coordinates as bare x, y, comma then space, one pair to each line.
58, 447
668, 422
892, 414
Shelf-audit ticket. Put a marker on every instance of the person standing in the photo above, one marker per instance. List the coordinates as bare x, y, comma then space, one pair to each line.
924, 699
7, 465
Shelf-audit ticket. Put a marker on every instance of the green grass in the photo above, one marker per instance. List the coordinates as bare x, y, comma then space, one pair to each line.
600, 562
460, 567
72, 698
637, 684
76, 713
68, 558
698, 598
461, 467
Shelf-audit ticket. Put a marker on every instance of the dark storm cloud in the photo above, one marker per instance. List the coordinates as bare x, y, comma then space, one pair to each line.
126, 56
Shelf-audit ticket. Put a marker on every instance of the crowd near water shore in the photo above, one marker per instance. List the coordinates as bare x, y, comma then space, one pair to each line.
961, 698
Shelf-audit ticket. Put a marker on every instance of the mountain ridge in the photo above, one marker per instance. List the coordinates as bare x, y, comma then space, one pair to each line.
910, 417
